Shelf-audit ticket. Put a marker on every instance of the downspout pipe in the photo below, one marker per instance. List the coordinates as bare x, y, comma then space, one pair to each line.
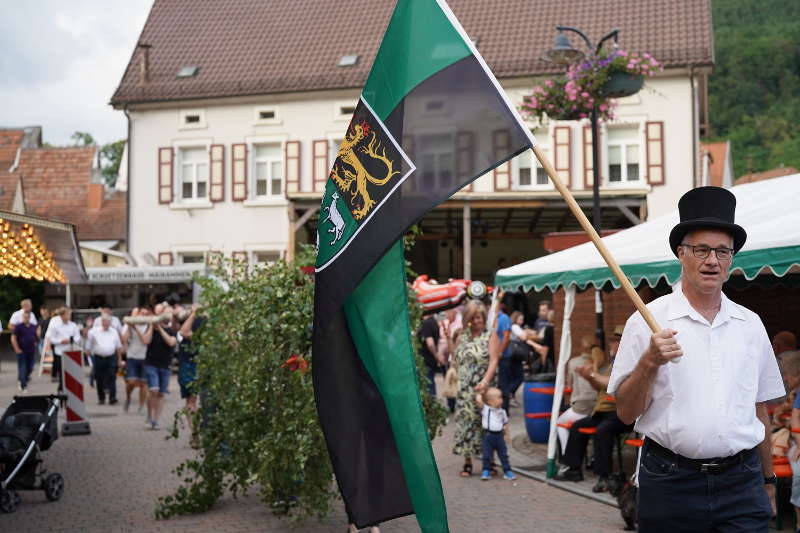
128, 191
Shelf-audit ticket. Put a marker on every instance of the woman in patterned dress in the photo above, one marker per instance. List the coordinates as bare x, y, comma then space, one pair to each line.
471, 359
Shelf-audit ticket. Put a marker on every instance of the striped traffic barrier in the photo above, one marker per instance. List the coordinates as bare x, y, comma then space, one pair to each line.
72, 370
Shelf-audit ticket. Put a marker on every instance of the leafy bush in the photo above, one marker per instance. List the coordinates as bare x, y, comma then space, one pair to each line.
259, 420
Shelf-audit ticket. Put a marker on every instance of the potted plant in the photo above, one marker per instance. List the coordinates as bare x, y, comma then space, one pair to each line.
595, 81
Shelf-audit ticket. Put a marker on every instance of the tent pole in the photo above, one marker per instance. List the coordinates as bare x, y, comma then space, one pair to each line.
565, 349
595, 238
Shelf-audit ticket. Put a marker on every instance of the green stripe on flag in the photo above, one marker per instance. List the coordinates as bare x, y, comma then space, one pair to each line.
419, 42
377, 317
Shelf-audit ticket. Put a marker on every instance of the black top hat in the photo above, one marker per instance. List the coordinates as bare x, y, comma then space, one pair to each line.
706, 208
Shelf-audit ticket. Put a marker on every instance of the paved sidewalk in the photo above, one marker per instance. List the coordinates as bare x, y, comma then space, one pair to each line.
114, 476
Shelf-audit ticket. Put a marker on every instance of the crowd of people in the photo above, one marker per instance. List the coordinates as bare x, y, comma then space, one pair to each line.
140, 348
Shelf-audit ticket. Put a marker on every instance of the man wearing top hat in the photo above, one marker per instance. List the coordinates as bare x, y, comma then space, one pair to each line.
705, 462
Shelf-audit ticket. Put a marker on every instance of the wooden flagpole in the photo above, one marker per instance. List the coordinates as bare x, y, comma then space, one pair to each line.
595, 238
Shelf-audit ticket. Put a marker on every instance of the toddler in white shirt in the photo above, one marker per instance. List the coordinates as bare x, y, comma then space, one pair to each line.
495, 430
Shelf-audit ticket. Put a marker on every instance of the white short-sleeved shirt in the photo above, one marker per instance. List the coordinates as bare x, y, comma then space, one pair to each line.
16, 318
58, 331
103, 342
136, 348
493, 418
704, 405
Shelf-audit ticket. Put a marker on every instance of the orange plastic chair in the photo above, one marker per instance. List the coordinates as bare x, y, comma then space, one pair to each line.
587, 431
537, 415
636, 443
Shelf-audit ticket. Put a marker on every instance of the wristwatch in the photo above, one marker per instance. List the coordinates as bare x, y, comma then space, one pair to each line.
771, 480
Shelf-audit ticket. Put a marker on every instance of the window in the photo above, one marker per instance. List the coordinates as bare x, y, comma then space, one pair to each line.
438, 160
192, 258
333, 151
267, 115
264, 258
531, 174
623, 155
193, 173
189, 119
267, 170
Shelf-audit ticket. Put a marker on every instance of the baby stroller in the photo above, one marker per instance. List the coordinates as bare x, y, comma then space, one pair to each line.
28, 427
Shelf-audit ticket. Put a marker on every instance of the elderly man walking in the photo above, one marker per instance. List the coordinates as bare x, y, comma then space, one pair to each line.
705, 462
106, 348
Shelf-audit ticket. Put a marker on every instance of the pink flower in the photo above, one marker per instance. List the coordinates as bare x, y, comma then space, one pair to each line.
629, 66
582, 115
585, 94
572, 97
549, 83
603, 107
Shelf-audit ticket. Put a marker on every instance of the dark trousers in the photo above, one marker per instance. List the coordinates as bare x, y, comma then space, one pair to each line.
105, 375
608, 426
511, 376
56, 369
25, 367
673, 498
494, 442
431, 381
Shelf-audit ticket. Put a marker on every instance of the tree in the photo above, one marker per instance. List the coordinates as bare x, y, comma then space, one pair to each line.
81, 138
753, 90
259, 420
110, 159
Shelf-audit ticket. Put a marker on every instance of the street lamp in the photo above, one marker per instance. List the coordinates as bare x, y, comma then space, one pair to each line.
564, 54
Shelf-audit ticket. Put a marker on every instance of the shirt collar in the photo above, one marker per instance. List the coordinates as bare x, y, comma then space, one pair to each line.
680, 307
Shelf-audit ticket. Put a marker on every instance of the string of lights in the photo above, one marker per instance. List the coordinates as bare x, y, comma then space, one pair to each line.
23, 255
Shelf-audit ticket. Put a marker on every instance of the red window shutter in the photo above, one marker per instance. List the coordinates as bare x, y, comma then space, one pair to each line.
165, 170
501, 143
216, 165
321, 164
239, 171
562, 153
588, 171
654, 141
214, 258
165, 258
465, 146
241, 268
291, 161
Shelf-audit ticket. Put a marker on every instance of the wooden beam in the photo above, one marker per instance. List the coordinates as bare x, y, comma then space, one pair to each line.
494, 204
467, 242
308, 213
535, 219
484, 236
508, 219
629, 214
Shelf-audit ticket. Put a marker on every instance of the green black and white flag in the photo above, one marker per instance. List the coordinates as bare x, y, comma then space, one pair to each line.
430, 120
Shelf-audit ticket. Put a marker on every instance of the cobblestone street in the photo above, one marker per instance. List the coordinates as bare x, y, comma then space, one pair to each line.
114, 476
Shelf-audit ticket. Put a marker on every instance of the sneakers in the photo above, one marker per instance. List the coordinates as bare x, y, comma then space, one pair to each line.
509, 475
113, 401
127, 405
148, 423
570, 475
154, 425
101, 401
140, 410
485, 476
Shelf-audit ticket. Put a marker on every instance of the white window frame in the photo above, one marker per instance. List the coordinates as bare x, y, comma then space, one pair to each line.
180, 201
535, 165
178, 251
338, 116
276, 119
420, 149
269, 199
253, 254
636, 139
334, 141
183, 125
253, 249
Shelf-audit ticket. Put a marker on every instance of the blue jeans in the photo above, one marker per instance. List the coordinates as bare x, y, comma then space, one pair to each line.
157, 378
494, 442
25, 367
673, 498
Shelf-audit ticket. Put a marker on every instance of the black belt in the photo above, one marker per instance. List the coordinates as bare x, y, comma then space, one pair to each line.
493, 432
715, 465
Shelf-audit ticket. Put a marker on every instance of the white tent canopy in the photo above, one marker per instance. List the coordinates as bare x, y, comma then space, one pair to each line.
768, 210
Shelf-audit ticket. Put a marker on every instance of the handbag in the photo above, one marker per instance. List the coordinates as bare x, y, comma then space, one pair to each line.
520, 351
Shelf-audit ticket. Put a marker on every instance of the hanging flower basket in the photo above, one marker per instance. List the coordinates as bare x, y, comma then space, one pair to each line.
622, 84
595, 81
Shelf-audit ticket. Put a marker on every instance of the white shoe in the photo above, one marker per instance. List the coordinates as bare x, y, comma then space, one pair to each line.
148, 424
155, 425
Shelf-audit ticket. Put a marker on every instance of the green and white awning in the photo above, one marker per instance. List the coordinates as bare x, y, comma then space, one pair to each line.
768, 210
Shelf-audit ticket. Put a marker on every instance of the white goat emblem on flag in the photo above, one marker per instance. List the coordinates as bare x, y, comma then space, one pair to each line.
335, 218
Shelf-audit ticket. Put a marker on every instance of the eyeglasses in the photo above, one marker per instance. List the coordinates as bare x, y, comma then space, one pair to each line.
702, 251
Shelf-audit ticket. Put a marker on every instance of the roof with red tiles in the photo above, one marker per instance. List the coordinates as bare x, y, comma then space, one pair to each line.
56, 183
767, 175
246, 47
